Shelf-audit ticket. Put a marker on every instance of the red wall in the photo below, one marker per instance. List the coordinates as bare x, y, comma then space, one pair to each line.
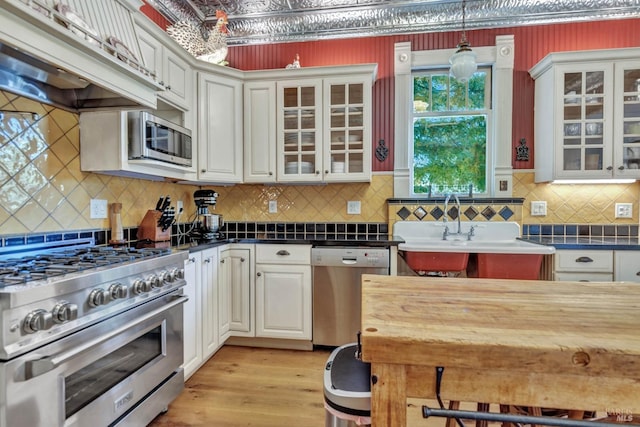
532, 43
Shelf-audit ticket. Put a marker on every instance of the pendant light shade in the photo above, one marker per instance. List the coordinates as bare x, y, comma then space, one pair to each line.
463, 62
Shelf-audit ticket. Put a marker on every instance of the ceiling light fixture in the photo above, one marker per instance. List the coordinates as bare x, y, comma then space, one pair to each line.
463, 62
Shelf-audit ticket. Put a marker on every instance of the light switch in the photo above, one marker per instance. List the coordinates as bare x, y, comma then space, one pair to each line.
539, 208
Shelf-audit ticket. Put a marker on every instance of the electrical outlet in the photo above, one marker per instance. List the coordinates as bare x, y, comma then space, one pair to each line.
179, 206
624, 210
98, 208
273, 206
353, 207
539, 208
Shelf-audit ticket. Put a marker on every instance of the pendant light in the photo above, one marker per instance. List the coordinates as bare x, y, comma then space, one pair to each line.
463, 62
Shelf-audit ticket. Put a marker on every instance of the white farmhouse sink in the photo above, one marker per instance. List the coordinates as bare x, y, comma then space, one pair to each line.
488, 237
500, 254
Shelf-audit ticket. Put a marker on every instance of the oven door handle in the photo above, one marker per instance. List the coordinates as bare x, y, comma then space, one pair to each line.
34, 368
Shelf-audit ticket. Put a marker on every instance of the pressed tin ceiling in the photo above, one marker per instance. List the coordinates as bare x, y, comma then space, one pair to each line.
276, 21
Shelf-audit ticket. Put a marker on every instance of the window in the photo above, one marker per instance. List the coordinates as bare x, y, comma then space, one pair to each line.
451, 129
443, 108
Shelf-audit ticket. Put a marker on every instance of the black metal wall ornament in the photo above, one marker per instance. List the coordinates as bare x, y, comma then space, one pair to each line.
522, 151
382, 151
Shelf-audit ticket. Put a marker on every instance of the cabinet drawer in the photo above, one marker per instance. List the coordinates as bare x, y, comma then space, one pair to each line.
584, 277
584, 261
283, 254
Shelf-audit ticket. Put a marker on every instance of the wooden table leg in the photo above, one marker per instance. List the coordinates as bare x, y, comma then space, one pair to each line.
388, 395
451, 422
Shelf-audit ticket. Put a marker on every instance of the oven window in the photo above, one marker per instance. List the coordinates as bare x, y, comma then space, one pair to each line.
90, 382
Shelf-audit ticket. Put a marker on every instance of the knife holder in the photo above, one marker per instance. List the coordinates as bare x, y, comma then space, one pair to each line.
149, 230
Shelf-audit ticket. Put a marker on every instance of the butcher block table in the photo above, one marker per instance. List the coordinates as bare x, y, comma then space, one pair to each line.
568, 345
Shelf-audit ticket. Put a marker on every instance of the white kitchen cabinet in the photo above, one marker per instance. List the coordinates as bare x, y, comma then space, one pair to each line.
220, 124
587, 115
627, 266
283, 292
260, 132
236, 295
299, 130
209, 304
347, 124
323, 124
192, 316
173, 73
583, 265
201, 337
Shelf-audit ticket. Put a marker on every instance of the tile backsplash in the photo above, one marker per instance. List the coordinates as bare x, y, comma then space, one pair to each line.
43, 190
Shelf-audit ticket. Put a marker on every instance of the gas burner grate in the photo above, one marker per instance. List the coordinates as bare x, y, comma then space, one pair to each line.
70, 260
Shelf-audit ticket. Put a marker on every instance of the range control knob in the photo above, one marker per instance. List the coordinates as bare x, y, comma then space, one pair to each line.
154, 281
168, 276
179, 273
38, 320
118, 291
99, 297
141, 286
64, 311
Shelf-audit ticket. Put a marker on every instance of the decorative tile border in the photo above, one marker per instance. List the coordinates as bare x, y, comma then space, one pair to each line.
487, 209
306, 231
581, 230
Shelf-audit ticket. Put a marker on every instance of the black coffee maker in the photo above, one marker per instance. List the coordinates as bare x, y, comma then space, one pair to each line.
208, 225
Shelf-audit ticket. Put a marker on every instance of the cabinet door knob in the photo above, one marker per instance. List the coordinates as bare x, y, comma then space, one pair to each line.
326, 171
317, 172
221, 261
241, 259
620, 168
258, 274
584, 259
270, 173
203, 170
609, 168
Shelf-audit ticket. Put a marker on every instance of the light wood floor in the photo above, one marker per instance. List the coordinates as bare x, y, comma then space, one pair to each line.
244, 386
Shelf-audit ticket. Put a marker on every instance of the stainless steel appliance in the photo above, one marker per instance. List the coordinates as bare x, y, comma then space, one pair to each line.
152, 137
89, 335
337, 275
207, 226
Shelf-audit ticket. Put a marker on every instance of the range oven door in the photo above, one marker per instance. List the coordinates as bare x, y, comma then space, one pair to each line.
98, 375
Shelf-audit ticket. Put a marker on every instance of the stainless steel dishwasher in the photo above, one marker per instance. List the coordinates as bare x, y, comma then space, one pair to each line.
337, 272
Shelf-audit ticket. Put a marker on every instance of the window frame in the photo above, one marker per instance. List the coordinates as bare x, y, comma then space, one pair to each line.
500, 58
486, 111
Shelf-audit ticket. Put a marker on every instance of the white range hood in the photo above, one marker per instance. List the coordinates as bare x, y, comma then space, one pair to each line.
44, 57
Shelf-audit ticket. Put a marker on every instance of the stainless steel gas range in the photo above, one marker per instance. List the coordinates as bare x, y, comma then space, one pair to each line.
89, 336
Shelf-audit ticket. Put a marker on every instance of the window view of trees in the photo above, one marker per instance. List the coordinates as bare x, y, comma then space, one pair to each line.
450, 133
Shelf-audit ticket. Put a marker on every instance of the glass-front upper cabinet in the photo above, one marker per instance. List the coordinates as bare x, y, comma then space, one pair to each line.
627, 121
299, 154
347, 153
583, 147
587, 115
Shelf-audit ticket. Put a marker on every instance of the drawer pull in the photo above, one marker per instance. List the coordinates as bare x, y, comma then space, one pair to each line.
283, 253
638, 273
584, 259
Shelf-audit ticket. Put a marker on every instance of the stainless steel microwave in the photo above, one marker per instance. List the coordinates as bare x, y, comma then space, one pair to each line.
151, 137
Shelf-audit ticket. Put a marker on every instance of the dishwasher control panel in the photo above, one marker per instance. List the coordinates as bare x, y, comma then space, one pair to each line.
350, 257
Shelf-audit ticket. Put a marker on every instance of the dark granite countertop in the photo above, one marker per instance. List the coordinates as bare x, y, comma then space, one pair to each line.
588, 242
200, 246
